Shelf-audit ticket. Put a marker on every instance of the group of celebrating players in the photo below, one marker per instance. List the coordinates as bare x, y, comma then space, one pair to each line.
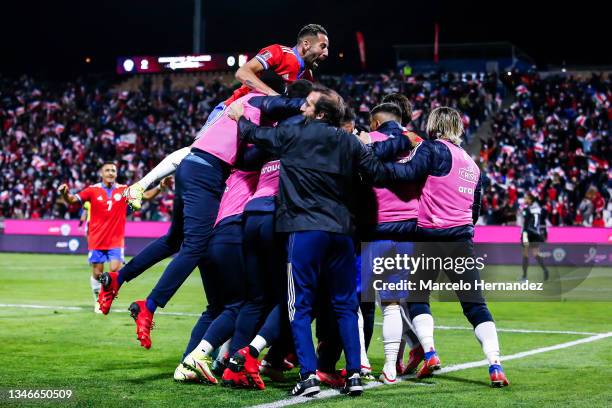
265, 203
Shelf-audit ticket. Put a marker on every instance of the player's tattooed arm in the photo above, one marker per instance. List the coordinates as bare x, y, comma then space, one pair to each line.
247, 74
65, 192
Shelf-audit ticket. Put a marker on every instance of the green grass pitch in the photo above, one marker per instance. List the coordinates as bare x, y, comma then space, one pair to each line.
99, 358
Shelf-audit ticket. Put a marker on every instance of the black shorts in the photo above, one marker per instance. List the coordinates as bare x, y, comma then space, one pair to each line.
536, 238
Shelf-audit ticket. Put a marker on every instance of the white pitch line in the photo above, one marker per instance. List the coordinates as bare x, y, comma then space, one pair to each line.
514, 330
449, 369
80, 308
21, 306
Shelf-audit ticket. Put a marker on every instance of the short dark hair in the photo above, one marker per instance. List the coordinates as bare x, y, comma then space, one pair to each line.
389, 108
108, 162
349, 116
311, 30
273, 80
404, 103
330, 104
299, 89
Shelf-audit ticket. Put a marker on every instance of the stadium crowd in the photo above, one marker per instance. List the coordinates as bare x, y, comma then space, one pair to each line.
61, 134
476, 96
552, 140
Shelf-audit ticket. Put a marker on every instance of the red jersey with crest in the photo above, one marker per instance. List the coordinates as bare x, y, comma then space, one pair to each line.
284, 61
107, 215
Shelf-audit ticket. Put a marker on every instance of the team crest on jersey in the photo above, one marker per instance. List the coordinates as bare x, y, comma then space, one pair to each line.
468, 174
117, 196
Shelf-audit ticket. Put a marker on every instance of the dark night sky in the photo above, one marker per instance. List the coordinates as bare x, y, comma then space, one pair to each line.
40, 37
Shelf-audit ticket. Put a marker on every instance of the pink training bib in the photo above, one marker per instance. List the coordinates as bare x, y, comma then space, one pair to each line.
446, 201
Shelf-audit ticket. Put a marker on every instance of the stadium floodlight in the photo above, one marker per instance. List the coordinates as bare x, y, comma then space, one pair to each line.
128, 65
242, 59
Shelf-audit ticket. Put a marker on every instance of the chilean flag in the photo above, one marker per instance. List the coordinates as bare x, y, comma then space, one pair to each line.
38, 162
539, 148
509, 150
552, 118
522, 90
33, 105
59, 129
600, 98
107, 134
361, 47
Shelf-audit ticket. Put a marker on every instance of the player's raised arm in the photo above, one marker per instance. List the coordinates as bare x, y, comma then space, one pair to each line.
247, 75
65, 192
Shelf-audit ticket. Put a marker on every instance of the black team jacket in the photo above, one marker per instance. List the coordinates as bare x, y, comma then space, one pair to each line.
318, 162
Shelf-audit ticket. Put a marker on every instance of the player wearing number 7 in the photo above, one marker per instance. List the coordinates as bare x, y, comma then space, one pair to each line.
107, 225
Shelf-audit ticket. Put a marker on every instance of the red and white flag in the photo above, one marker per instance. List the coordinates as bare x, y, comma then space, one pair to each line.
436, 43
552, 118
522, 90
33, 105
362, 50
38, 162
600, 98
509, 150
107, 134
538, 148
51, 106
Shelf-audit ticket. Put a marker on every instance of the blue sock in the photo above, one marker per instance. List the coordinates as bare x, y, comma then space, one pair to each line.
429, 354
120, 278
151, 305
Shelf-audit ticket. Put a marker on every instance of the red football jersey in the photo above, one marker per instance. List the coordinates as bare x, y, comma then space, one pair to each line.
285, 61
107, 217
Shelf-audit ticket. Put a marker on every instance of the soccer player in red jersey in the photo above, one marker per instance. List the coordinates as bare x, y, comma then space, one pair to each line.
289, 63
105, 239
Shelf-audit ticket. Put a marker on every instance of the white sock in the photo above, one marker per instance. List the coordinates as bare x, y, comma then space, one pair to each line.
205, 347
259, 343
223, 349
166, 167
424, 328
486, 333
392, 337
364, 353
95, 286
